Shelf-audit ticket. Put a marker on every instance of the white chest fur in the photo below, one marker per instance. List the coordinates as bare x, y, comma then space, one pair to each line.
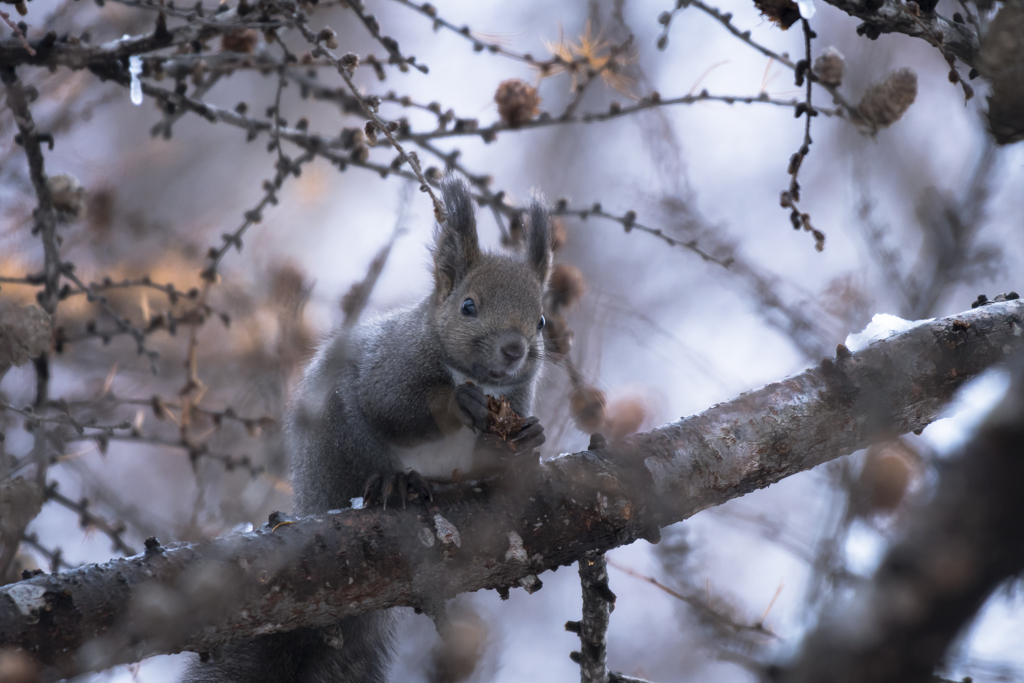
437, 459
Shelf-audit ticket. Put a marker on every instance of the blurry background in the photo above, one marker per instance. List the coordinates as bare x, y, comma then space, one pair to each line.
920, 217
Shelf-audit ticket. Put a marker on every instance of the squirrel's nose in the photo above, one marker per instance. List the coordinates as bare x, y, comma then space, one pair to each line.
513, 351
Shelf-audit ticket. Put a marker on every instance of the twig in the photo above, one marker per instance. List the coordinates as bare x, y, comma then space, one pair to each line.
615, 110
55, 556
598, 603
479, 45
88, 519
389, 43
45, 215
165, 127
592, 75
46, 227
790, 198
17, 32
253, 215
628, 222
122, 323
725, 18
369, 108
161, 321
698, 602
64, 419
195, 450
161, 409
355, 300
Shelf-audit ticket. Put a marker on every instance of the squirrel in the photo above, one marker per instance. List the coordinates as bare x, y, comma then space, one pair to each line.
388, 404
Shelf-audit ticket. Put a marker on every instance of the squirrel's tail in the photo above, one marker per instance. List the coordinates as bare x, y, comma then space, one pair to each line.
355, 650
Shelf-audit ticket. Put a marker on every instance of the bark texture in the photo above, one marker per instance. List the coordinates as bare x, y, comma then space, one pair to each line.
311, 572
598, 603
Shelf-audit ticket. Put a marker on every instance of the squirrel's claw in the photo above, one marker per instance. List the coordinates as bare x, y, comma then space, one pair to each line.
472, 403
401, 483
418, 485
530, 436
372, 488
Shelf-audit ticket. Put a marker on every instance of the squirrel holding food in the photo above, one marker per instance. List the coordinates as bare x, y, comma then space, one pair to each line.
429, 393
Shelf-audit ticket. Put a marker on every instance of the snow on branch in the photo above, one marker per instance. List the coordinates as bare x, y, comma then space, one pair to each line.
312, 571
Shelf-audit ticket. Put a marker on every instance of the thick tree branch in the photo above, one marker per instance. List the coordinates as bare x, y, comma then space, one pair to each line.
312, 571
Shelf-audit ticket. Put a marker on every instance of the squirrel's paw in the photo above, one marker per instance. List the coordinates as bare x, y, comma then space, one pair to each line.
531, 436
403, 484
472, 403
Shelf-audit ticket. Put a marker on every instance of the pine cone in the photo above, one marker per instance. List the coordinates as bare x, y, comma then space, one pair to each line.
517, 102
884, 103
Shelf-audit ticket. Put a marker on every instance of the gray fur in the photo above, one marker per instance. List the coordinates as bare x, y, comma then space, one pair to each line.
384, 385
539, 248
456, 248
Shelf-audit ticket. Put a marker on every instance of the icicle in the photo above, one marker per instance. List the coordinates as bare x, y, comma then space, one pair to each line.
135, 69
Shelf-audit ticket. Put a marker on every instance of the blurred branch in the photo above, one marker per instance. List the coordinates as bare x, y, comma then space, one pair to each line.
30, 139
355, 300
615, 110
949, 228
54, 555
160, 409
86, 519
195, 451
72, 53
319, 40
701, 604
284, 168
628, 222
790, 198
17, 32
122, 323
288, 575
967, 540
725, 18
45, 216
389, 43
479, 45
64, 419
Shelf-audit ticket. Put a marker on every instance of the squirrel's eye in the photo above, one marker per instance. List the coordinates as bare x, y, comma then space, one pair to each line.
468, 307
540, 325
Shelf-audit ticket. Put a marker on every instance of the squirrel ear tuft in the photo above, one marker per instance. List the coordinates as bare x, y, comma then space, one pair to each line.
538, 250
456, 247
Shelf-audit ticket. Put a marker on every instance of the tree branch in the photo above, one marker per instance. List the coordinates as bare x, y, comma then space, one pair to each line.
598, 603
313, 571
892, 16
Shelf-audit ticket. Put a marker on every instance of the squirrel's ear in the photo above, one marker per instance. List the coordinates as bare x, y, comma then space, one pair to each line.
456, 247
538, 250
